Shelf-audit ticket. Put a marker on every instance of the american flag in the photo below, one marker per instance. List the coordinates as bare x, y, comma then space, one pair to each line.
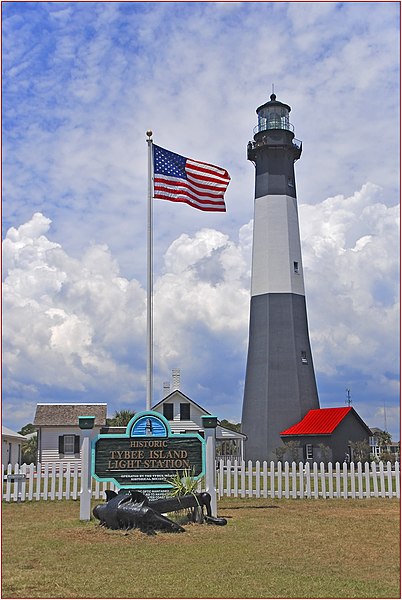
182, 179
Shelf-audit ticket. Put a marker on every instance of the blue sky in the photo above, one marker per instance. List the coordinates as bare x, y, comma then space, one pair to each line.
82, 82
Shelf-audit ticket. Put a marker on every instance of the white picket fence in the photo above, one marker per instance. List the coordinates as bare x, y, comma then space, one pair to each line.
51, 481
274, 480
58, 481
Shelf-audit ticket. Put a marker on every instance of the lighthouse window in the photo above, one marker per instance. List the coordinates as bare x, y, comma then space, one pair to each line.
304, 357
296, 266
290, 182
309, 451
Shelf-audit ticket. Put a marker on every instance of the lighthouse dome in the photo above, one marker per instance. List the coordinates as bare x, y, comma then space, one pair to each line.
274, 115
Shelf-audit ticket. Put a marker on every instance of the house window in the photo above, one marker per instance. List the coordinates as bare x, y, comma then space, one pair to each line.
304, 357
69, 444
168, 411
295, 266
309, 451
184, 412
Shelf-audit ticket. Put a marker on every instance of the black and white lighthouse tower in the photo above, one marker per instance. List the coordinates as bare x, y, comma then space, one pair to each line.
280, 386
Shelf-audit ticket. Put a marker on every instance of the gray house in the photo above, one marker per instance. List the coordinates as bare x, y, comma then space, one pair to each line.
325, 434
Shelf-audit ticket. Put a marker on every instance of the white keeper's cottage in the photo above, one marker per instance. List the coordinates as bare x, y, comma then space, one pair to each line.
58, 431
184, 416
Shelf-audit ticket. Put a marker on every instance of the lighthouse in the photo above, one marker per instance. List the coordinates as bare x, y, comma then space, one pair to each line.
280, 386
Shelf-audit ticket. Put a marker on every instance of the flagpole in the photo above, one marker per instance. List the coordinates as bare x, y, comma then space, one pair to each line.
149, 279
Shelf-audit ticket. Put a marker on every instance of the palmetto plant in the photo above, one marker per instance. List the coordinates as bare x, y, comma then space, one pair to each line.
29, 450
184, 484
120, 418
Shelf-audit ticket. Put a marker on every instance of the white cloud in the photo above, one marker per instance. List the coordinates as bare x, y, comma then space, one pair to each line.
63, 317
202, 291
351, 262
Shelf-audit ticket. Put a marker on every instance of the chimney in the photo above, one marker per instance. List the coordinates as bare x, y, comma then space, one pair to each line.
166, 389
175, 379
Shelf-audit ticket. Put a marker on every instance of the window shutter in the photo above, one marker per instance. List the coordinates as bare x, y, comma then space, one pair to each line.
76, 444
61, 444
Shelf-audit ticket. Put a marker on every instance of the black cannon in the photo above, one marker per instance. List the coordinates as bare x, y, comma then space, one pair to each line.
131, 509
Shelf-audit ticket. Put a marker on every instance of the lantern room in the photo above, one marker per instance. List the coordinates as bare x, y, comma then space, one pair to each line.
273, 115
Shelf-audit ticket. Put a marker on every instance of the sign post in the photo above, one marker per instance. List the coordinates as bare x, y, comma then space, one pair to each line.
86, 424
209, 424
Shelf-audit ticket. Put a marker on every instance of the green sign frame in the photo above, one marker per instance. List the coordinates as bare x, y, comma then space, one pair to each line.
147, 454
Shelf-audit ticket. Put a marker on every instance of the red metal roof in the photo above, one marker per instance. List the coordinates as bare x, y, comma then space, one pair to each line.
318, 422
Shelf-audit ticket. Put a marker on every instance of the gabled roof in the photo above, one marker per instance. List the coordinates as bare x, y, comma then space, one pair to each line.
67, 414
321, 421
169, 397
229, 434
6, 432
176, 426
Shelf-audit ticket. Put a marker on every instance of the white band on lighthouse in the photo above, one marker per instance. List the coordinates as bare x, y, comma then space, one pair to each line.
277, 260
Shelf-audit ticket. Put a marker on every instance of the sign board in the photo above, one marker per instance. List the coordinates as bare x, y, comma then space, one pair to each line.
147, 455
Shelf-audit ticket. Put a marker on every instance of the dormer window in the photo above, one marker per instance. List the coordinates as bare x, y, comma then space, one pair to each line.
168, 411
184, 411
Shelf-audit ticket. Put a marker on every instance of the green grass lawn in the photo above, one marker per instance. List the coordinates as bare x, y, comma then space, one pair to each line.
269, 549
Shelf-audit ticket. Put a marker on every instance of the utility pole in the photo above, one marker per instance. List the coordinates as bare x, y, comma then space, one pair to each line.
348, 397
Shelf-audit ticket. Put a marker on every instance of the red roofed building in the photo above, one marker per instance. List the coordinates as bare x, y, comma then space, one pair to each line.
326, 434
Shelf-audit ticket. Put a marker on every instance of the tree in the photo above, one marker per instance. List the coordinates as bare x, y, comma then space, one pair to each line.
361, 450
387, 456
28, 428
29, 450
325, 452
280, 452
230, 425
383, 439
121, 418
292, 448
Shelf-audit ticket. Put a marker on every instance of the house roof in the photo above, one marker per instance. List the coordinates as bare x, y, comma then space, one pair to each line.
67, 414
321, 421
169, 397
9, 433
229, 434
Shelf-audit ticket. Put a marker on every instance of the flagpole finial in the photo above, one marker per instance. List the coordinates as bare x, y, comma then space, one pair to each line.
149, 133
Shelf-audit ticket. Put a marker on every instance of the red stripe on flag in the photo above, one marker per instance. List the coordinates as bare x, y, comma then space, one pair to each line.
178, 183
169, 194
207, 207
